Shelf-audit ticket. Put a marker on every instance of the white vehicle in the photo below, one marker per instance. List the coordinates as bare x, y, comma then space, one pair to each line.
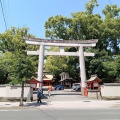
76, 86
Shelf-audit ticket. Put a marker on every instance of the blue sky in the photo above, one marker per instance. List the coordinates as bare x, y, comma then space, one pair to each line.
34, 13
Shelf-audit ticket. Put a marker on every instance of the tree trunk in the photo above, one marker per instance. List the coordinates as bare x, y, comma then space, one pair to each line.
22, 94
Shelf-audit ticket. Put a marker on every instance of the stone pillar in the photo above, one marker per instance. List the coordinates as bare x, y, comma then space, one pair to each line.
41, 64
82, 69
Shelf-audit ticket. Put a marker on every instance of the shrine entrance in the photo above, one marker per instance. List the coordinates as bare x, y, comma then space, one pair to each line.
80, 44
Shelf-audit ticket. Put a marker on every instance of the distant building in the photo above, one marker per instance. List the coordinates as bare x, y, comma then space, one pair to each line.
66, 80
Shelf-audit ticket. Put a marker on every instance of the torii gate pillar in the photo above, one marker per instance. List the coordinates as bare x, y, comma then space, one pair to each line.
82, 69
41, 64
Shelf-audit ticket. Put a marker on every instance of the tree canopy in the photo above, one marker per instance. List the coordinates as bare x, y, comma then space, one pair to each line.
15, 65
86, 25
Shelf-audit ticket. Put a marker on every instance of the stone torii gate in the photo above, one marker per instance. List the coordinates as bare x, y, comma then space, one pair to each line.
61, 43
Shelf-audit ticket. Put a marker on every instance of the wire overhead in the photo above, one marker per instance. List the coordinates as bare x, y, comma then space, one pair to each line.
110, 2
3, 14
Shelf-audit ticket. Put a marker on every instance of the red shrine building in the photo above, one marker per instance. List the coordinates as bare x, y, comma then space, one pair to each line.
47, 79
34, 83
93, 82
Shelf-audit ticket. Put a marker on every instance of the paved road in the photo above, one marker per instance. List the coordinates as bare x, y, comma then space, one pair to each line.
61, 114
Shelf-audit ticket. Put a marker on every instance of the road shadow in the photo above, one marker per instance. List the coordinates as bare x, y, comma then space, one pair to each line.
54, 94
35, 104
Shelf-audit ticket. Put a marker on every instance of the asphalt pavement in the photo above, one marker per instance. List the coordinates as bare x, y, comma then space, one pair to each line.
65, 99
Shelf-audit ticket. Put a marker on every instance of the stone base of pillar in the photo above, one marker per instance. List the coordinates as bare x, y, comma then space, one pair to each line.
82, 91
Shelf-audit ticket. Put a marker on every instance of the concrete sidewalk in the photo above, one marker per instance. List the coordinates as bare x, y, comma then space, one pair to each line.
82, 104
64, 100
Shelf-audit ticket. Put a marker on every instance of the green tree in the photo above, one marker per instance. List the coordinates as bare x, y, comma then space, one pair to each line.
5, 61
117, 59
110, 35
55, 64
95, 64
20, 67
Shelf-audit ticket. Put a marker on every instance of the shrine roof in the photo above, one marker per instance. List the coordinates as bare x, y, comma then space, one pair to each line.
67, 79
93, 78
63, 73
47, 77
33, 80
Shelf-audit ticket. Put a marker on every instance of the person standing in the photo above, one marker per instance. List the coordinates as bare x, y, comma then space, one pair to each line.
39, 95
49, 90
